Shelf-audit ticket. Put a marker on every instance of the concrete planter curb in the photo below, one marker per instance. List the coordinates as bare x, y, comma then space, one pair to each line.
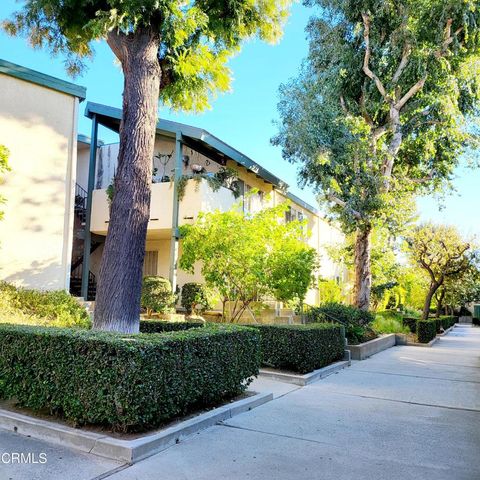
448, 330
367, 349
429, 344
128, 451
302, 380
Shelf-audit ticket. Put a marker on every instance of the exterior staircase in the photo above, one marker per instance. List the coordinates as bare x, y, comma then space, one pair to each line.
76, 272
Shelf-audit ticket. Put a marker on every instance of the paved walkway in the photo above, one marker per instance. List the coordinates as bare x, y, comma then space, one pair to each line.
406, 413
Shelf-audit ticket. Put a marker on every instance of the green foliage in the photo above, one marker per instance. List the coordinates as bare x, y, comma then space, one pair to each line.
329, 290
410, 323
378, 111
247, 258
160, 326
125, 382
194, 295
426, 330
34, 307
195, 40
157, 295
4, 154
225, 177
442, 253
301, 348
389, 322
357, 322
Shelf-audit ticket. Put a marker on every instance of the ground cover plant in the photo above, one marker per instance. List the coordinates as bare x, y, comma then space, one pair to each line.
34, 307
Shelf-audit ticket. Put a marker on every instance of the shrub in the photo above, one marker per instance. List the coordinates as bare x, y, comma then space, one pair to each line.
357, 322
160, 326
448, 321
157, 295
301, 348
389, 322
125, 382
35, 307
410, 323
194, 294
426, 330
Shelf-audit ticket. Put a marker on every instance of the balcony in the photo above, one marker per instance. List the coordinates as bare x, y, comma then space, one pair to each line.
198, 197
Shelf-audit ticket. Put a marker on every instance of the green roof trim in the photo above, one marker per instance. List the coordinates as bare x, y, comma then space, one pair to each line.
82, 138
47, 81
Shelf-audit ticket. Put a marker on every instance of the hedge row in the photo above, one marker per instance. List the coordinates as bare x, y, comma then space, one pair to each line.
160, 326
426, 330
444, 322
301, 348
125, 382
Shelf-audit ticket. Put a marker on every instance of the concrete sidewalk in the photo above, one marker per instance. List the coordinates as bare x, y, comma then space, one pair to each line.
405, 413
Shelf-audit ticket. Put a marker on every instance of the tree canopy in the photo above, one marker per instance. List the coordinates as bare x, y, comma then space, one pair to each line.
442, 253
195, 39
4, 154
250, 258
380, 109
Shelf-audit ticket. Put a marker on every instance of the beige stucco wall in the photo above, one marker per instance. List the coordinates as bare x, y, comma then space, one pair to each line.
38, 126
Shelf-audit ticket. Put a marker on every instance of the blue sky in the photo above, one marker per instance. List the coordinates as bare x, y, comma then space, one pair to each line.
243, 118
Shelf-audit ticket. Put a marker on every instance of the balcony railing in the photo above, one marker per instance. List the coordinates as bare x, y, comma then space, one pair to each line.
198, 197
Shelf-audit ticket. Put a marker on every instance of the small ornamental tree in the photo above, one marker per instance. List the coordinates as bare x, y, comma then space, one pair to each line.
442, 253
378, 112
171, 50
4, 154
249, 258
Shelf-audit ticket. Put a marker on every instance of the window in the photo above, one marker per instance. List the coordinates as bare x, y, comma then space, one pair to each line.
150, 263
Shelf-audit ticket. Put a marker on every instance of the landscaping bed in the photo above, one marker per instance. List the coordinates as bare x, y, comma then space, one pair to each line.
125, 382
301, 348
367, 349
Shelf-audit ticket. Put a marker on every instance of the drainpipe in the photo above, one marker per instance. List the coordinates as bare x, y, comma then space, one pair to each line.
175, 232
91, 183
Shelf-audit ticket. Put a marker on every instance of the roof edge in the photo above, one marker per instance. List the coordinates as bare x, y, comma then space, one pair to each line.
42, 79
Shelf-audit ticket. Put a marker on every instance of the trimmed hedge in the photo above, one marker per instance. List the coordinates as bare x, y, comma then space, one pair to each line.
160, 326
410, 323
125, 382
448, 321
426, 330
301, 348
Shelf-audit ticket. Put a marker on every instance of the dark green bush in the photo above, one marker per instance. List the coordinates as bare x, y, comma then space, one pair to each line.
194, 294
411, 323
125, 382
357, 322
448, 321
426, 330
159, 326
438, 325
157, 295
301, 348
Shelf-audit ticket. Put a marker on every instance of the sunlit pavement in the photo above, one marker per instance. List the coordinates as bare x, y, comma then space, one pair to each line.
406, 413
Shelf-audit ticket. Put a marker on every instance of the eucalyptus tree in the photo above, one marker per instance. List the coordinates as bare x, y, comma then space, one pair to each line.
378, 112
172, 50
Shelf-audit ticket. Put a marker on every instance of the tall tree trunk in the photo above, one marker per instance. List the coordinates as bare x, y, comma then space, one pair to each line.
439, 299
120, 279
428, 299
363, 274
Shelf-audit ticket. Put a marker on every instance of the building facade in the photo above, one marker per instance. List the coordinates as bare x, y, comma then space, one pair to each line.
38, 125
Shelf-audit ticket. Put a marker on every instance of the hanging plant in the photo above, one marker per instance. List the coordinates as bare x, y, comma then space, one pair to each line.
225, 177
